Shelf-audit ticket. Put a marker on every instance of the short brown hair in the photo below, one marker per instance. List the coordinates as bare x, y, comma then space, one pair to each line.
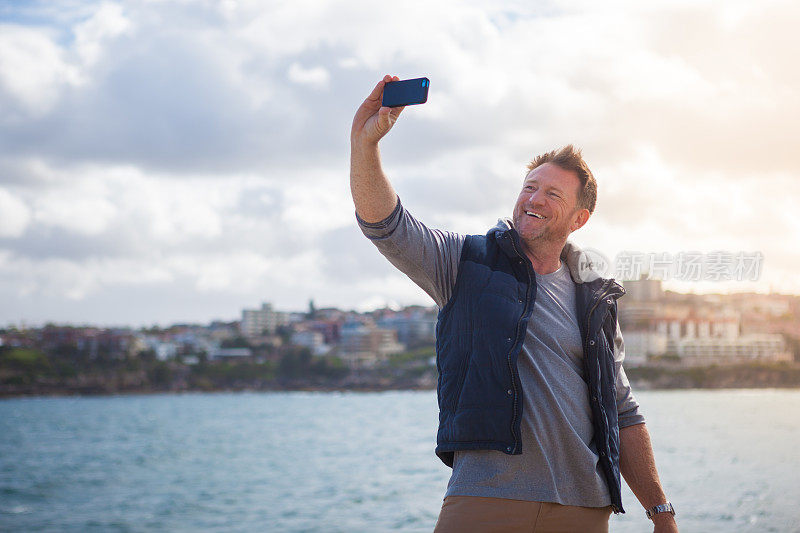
570, 158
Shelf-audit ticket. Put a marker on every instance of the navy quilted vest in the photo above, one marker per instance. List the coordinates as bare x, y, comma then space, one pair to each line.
479, 335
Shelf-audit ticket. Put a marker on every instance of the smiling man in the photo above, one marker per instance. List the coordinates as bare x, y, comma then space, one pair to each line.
536, 416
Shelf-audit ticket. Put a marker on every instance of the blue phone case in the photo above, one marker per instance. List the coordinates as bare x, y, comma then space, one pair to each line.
405, 92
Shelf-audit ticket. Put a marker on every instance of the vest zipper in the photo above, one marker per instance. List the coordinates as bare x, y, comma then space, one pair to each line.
511, 366
605, 292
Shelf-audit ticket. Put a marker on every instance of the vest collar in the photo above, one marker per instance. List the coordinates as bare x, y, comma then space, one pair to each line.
576, 259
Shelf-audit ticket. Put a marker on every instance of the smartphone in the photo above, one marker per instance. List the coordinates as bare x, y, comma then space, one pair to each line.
405, 92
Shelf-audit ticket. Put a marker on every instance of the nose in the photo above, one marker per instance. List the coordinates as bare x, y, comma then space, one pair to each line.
535, 197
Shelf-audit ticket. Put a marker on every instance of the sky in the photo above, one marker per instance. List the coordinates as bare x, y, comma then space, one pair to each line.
165, 162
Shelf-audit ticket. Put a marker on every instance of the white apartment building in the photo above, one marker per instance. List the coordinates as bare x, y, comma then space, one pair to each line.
641, 344
698, 335
726, 350
264, 321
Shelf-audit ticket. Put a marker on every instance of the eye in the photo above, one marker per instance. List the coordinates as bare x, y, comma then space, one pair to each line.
554, 194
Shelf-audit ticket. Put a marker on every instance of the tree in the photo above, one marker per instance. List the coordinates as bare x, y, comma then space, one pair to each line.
295, 362
236, 342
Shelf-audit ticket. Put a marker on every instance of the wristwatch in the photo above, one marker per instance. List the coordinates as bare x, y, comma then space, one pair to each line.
663, 508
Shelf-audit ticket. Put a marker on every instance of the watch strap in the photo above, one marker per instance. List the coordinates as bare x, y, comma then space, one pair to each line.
661, 508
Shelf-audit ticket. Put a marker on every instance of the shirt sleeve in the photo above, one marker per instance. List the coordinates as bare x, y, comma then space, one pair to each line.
627, 406
429, 257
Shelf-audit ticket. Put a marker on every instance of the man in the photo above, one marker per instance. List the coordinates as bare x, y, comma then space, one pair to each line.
536, 416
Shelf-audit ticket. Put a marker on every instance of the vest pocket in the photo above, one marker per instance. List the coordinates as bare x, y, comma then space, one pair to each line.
452, 381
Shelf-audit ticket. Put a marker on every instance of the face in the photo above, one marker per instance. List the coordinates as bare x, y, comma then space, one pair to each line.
547, 207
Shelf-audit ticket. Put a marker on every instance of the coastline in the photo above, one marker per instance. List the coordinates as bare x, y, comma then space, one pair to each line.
661, 377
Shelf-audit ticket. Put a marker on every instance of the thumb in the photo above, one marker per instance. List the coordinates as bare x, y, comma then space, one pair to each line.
387, 116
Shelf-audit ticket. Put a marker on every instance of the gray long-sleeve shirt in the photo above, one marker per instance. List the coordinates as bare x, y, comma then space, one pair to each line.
559, 460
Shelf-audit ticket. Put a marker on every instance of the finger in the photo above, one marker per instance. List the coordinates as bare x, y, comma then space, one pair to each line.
387, 117
384, 120
395, 112
378, 90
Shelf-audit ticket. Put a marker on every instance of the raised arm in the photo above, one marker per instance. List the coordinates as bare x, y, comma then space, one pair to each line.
373, 195
429, 257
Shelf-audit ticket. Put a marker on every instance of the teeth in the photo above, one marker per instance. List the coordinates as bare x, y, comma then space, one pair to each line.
531, 213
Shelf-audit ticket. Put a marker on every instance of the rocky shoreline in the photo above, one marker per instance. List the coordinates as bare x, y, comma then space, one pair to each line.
756, 376
743, 376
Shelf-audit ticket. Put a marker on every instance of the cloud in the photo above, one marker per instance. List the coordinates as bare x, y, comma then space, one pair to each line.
14, 215
105, 25
198, 152
33, 72
317, 77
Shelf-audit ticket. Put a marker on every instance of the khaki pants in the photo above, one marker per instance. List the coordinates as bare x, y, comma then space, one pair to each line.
473, 514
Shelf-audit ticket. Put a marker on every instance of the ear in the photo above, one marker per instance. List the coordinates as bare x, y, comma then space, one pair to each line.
579, 219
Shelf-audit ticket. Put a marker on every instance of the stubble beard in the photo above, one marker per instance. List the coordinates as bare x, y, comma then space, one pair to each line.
542, 238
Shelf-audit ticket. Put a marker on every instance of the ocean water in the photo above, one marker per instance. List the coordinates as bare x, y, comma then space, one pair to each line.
351, 462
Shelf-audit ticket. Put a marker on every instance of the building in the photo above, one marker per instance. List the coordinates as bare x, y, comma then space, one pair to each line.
114, 343
643, 290
727, 350
698, 331
640, 345
311, 339
365, 345
164, 350
264, 321
414, 328
330, 329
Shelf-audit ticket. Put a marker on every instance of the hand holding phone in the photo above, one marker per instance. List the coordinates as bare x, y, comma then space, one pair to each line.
378, 113
405, 92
